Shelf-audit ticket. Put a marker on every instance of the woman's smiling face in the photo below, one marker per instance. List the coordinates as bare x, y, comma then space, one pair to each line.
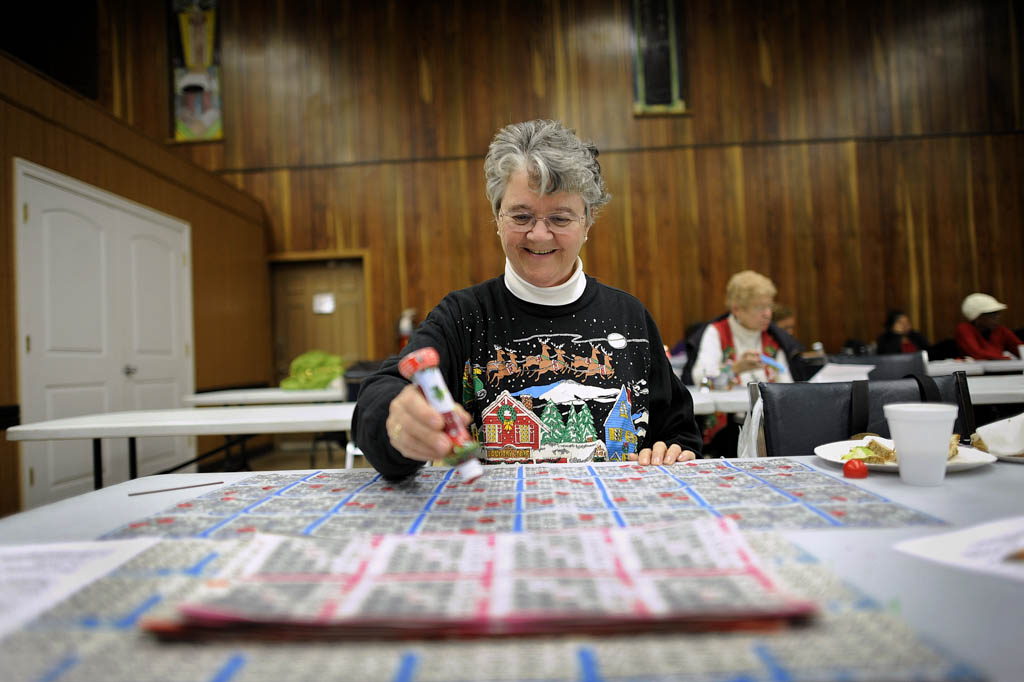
541, 257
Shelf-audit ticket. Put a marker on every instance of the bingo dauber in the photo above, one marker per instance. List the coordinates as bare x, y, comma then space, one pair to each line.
421, 367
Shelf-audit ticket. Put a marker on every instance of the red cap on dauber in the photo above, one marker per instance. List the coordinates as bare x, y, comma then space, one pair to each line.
417, 360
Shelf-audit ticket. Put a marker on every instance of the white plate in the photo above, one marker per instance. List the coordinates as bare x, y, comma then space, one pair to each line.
966, 456
1018, 459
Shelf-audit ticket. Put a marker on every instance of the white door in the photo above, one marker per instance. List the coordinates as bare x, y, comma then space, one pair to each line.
104, 324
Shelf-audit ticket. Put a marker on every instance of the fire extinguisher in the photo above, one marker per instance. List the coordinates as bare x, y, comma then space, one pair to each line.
405, 326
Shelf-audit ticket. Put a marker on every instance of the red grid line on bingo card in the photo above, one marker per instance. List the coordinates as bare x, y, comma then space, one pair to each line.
331, 605
750, 566
483, 608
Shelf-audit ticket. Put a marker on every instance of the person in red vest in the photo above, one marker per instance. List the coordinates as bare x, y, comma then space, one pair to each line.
744, 346
739, 347
982, 337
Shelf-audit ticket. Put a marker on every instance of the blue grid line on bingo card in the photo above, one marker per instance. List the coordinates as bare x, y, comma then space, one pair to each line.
228, 519
230, 669
609, 505
217, 526
129, 620
281, 490
775, 669
844, 482
200, 566
828, 517
444, 481
701, 502
791, 496
590, 667
430, 503
57, 671
415, 527
517, 524
520, 491
604, 491
311, 528
407, 665
348, 498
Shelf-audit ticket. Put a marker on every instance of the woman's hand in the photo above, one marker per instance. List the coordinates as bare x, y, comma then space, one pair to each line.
748, 361
662, 454
416, 429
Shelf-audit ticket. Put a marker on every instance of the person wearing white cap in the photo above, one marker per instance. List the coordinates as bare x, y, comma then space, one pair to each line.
982, 337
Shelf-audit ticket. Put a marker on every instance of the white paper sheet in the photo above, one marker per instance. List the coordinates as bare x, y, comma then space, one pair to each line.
833, 372
996, 547
35, 577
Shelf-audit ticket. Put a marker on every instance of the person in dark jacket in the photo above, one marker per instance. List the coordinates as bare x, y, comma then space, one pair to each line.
899, 337
550, 364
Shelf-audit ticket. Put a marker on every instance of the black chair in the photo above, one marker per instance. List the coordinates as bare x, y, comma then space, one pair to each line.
946, 349
798, 417
886, 366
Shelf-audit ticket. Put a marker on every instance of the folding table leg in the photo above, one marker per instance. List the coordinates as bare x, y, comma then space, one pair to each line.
133, 462
97, 464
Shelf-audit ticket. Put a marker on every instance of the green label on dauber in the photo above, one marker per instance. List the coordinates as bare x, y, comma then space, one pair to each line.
460, 453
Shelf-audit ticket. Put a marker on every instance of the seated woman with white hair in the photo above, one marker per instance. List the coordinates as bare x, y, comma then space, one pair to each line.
744, 345
739, 347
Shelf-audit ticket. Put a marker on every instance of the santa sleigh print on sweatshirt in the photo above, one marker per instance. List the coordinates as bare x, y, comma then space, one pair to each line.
507, 363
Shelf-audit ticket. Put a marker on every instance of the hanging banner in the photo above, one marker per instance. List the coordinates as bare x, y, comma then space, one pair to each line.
195, 59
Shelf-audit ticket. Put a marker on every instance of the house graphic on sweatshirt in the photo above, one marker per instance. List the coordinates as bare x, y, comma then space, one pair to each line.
619, 431
507, 424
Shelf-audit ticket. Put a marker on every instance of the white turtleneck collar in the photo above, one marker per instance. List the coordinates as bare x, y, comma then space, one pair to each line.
560, 294
743, 337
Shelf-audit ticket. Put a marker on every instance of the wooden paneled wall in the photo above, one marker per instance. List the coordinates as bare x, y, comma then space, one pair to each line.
47, 124
865, 155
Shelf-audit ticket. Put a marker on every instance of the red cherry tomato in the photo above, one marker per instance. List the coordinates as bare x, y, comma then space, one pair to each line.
855, 468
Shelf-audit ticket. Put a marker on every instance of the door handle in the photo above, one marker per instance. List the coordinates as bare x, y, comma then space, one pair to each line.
130, 370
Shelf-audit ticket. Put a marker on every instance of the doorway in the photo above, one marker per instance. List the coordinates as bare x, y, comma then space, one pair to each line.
319, 305
104, 325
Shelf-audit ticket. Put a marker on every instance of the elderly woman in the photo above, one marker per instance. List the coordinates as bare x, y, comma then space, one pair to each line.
739, 347
732, 348
551, 365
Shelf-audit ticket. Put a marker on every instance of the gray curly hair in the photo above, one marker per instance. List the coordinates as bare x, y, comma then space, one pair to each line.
553, 156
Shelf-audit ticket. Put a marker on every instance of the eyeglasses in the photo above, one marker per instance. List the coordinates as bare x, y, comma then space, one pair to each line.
521, 221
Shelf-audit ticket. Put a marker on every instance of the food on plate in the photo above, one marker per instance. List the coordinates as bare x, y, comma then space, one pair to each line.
858, 452
872, 453
885, 454
875, 452
977, 442
855, 468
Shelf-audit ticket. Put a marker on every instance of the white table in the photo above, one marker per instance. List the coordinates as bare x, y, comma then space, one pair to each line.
975, 616
975, 367
211, 421
1001, 366
703, 402
733, 401
996, 389
938, 368
265, 396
